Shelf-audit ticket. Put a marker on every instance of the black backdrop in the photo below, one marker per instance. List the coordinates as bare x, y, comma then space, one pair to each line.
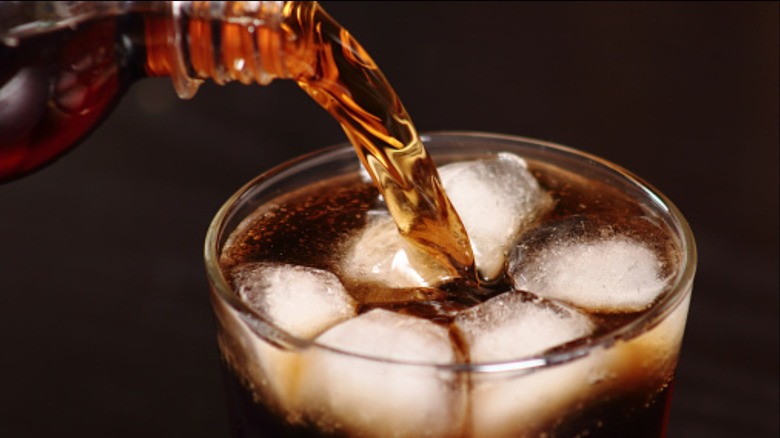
106, 327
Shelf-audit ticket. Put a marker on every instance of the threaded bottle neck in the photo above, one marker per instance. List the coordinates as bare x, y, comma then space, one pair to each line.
223, 41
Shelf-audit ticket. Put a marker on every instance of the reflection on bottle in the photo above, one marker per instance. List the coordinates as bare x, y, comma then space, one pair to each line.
54, 89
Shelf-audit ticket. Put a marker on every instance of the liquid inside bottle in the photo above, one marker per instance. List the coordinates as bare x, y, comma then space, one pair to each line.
58, 85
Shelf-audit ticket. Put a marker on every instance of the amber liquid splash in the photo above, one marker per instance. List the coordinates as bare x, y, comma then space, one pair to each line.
327, 63
345, 81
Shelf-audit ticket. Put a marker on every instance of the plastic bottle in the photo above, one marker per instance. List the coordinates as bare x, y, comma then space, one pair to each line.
65, 65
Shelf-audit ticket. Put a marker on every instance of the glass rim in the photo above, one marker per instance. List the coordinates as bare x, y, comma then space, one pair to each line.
658, 312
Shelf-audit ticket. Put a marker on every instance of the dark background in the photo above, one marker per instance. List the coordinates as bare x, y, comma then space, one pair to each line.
106, 327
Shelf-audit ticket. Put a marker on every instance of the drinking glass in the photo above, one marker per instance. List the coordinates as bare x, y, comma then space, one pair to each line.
618, 383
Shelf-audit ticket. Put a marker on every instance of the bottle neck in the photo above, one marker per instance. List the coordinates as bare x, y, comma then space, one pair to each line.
222, 41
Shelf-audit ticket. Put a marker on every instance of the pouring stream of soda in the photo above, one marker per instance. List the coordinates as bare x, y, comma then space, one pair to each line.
336, 72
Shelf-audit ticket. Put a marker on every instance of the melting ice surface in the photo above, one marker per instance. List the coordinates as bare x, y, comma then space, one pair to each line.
611, 274
303, 301
515, 325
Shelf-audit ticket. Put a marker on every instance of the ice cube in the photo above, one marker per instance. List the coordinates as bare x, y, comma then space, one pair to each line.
495, 199
615, 273
518, 325
515, 325
300, 300
374, 397
378, 254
